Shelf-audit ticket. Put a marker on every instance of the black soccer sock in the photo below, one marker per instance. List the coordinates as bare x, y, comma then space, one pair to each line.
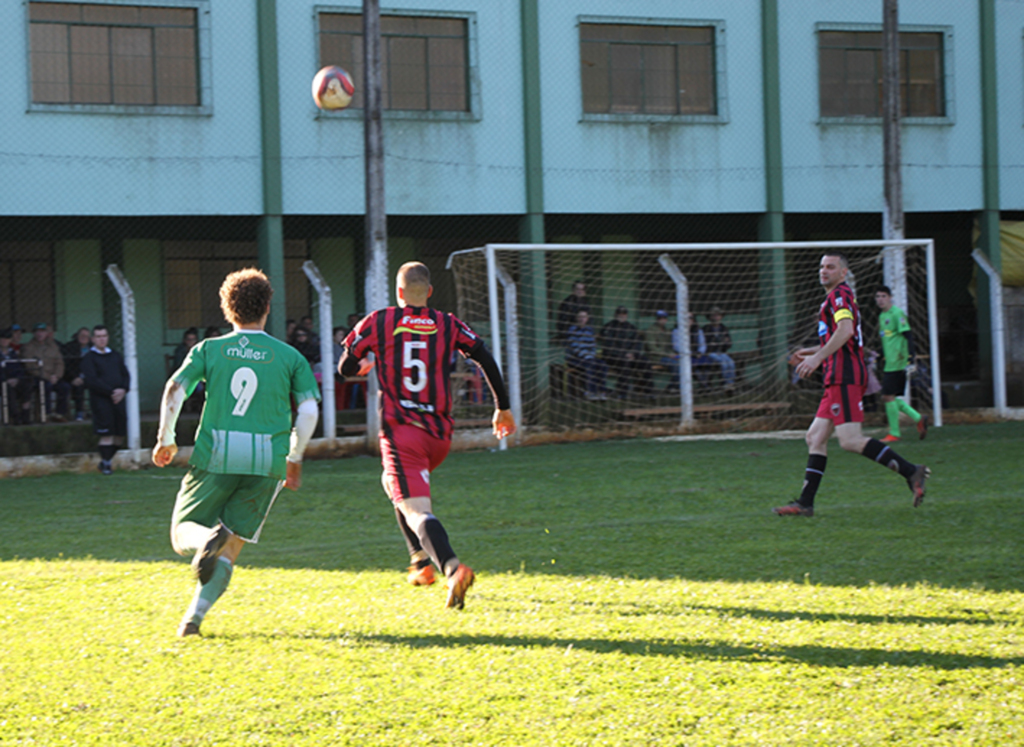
812, 478
881, 453
434, 539
411, 540
107, 452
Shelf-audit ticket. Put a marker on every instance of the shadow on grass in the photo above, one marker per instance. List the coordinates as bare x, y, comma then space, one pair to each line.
821, 656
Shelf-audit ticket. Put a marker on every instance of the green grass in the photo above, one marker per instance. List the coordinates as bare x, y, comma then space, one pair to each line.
629, 593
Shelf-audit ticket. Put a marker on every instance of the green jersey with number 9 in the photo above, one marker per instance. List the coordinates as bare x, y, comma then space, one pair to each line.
251, 379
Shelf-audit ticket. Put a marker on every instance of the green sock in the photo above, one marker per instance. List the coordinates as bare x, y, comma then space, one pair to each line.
892, 412
910, 411
208, 593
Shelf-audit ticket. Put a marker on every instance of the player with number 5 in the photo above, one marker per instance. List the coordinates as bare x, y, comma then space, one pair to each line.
246, 448
414, 347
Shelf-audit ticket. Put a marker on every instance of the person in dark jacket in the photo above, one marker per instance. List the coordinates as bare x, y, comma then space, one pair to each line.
719, 341
622, 348
17, 383
107, 380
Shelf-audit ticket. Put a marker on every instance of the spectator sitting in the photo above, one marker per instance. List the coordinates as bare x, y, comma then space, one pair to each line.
301, 342
17, 385
73, 351
211, 331
289, 330
719, 341
698, 349
569, 308
581, 353
338, 334
659, 346
307, 322
623, 350
188, 341
44, 348
16, 337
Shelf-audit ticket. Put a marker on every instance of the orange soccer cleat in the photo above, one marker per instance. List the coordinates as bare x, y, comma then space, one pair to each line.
458, 584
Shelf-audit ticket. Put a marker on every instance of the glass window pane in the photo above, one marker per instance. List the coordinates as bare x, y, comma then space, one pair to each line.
863, 82
626, 78
398, 25
341, 22
441, 26
832, 82
842, 39
132, 62
51, 82
54, 12
660, 89
176, 67
691, 34
90, 65
600, 32
637, 32
110, 14
921, 75
697, 80
168, 16
407, 73
868, 39
447, 68
594, 76
920, 41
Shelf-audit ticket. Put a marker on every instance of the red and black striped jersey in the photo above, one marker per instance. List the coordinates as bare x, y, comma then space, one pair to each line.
846, 365
414, 348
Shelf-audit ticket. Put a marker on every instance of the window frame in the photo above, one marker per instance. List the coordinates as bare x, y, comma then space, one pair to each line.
204, 62
720, 78
948, 66
475, 111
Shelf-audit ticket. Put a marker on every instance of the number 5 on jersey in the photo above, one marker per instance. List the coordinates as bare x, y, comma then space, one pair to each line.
243, 388
410, 361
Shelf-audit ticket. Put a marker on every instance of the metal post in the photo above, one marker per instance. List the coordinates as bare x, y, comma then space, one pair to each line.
495, 318
131, 356
998, 330
325, 308
933, 333
514, 377
683, 327
892, 214
376, 215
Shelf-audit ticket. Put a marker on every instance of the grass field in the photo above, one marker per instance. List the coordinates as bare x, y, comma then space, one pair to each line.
628, 593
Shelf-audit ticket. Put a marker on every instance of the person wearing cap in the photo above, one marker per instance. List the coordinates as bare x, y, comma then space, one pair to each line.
719, 341
623, 351
16, 337
15, 383
570, 308
50, 370
658, 346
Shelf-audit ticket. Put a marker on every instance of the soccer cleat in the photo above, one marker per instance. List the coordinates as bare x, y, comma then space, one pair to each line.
794, 509
458, 583
922, 427
916, 483
105, 467
204, 562
188, 628
421, 576
890, 439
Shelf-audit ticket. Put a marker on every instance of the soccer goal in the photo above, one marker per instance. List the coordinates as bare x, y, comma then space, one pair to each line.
651, 353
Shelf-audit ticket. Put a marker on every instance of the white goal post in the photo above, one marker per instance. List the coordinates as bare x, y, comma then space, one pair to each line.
765, 293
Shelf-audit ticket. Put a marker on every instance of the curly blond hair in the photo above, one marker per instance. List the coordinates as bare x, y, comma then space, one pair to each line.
245, 295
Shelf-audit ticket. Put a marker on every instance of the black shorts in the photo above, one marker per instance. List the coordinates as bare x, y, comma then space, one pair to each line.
108, 419
894, 383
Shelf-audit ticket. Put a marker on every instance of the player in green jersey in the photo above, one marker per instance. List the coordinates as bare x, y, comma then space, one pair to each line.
246, 448
898, 356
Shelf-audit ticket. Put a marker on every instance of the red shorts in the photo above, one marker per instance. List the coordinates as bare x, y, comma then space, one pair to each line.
409, 455
842, 403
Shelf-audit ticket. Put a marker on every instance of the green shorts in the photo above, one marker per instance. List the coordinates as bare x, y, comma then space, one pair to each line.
241, 502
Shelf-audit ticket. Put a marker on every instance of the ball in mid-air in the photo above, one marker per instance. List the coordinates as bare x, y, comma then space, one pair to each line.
332, 88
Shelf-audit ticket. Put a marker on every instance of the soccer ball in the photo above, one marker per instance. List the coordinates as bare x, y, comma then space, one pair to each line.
333, 88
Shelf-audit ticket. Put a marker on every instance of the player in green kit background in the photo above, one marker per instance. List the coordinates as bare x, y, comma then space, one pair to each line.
246, 448
898, 358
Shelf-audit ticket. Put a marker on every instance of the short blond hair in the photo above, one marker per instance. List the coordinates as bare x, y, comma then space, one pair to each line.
414, 277
245, 295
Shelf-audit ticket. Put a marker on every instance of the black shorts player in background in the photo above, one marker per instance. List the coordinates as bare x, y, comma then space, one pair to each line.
107, 380
414, 347
841, 358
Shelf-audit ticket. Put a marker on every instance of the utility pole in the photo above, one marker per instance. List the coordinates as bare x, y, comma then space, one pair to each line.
892, 216
376, 235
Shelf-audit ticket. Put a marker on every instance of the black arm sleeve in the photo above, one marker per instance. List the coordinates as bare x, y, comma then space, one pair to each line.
348, 364
489, 366
911, 350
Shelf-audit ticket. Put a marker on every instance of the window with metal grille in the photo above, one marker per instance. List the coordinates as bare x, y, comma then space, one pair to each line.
648, 69
195, 270
26, 284
424, 59
127, 55
850, 74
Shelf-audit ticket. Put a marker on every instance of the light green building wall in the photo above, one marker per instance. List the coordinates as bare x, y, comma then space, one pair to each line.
79, 286
142, 268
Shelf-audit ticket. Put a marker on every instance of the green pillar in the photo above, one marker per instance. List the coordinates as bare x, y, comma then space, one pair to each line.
774, 285
535, 342
270, 231
988, 220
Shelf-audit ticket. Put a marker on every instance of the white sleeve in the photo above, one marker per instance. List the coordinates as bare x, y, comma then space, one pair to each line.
305, 423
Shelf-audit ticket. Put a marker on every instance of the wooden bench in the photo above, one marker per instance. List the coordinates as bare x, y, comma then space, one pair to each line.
643, 412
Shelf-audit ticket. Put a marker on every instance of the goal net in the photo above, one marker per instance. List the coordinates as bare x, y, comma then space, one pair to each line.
642, 338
